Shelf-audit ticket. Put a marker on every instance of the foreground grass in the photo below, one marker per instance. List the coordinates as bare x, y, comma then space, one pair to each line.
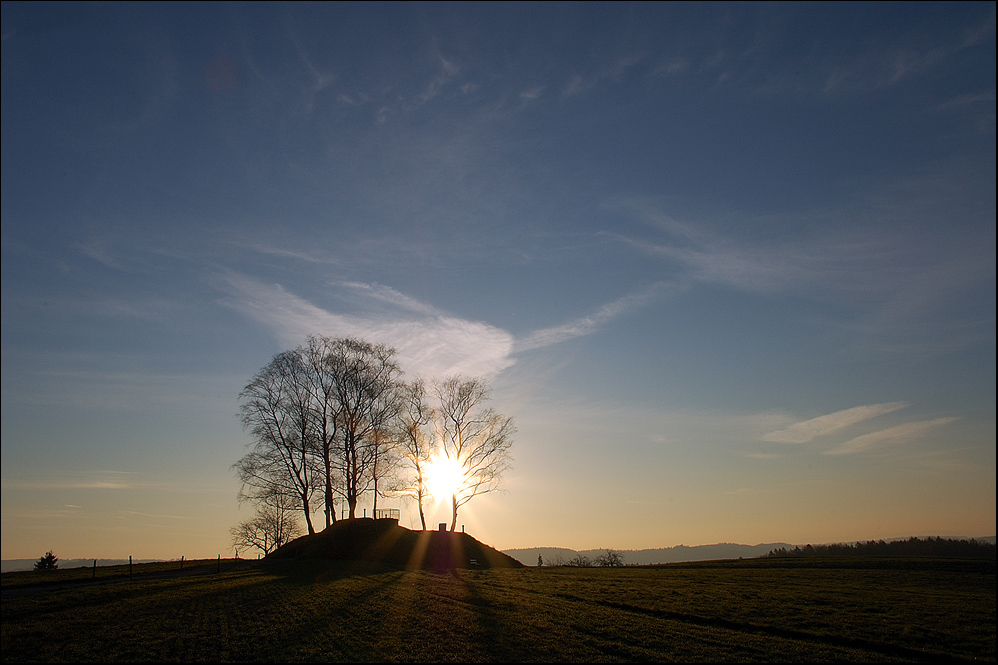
739, 611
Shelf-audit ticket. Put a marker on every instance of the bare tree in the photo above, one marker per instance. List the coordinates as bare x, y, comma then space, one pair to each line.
610, 559
414, 444
386, 462
316, 355
475, 438
364, 380
278, 410
273, 525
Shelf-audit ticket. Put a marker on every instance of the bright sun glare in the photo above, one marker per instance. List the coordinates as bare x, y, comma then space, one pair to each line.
443, 477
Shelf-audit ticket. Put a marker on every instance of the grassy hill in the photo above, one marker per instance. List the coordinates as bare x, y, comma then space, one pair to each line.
384, 542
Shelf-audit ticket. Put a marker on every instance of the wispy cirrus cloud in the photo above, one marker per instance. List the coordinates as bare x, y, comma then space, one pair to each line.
808, 430
706, 255
890, 436
581, 83
887, 292
131, 513
429, 342
390, 296
588, 324
103, 480
99, 251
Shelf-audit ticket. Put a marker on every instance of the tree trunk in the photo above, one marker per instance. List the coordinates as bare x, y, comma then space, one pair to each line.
308, 517
330, 512
453, 522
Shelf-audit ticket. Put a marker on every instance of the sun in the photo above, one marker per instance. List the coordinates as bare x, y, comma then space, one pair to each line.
443, 477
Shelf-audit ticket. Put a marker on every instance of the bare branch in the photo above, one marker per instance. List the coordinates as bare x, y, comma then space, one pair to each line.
477, 438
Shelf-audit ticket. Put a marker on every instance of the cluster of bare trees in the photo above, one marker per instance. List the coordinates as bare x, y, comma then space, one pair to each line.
333, 421
609, 559
274, 524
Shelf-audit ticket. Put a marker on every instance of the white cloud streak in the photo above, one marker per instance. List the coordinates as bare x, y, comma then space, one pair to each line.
132, 513
430, 343
808, 430
709, 257
578, 83
588, 324
890, 436
107, 480
894, 293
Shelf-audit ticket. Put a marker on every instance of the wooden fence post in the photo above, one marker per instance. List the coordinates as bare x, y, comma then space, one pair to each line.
129, 566
93, 575
181, 562
219, 568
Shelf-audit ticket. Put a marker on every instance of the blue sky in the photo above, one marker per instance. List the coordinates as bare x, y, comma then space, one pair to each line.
731, 268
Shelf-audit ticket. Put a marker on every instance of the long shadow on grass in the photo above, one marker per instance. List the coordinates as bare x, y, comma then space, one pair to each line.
86, 596
492, 629
785, 633
335, 623
315, 571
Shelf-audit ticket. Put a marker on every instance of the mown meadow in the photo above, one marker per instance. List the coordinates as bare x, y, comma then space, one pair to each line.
752, 610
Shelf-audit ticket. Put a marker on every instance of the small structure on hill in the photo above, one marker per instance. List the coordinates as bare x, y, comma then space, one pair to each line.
387, 514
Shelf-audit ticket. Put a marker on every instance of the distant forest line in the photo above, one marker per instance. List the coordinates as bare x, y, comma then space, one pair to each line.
553, 556
935, 547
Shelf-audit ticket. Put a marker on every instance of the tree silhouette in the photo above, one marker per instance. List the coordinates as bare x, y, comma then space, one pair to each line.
333, 418
273, 525
365, 388
47, 562
610, 559
936, 547
477, 439
415, 444
277, 409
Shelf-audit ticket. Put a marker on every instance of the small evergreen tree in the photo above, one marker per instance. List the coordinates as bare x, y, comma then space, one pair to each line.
48, 562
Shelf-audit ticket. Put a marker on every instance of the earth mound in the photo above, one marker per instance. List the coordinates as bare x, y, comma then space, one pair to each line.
383, 541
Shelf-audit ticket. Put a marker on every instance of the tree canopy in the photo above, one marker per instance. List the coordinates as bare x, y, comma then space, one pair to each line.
333, 422
48, 561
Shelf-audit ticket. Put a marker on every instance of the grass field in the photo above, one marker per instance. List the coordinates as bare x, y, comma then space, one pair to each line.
752, 610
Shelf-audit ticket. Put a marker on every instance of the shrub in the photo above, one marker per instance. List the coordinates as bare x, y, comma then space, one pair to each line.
47, 562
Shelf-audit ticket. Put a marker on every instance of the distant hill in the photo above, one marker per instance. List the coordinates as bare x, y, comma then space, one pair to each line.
679, 553
556, 555
13, 565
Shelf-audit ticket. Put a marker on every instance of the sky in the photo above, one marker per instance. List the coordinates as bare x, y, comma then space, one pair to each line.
729, 267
